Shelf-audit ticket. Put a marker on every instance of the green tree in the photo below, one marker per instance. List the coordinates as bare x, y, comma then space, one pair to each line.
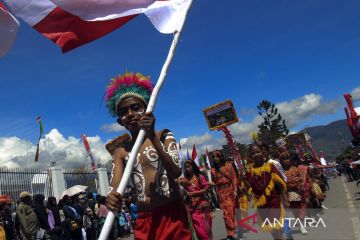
273, 125
347, 153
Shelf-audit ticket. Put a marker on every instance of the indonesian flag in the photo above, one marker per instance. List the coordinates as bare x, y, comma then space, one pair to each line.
72, 23
8, 29
194, 156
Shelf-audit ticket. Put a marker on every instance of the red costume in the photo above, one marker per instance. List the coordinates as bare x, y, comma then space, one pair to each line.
199, 207
163, 223
267, 185
295, 191
226, 185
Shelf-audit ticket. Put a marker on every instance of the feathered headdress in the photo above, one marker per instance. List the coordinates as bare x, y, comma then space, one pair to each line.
127, 85
254, 136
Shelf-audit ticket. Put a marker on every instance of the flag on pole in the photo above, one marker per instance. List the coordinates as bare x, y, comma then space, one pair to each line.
38, 120
194, 156
207, 159
72, 23
9, 26
88, 150
187, 155
208, 171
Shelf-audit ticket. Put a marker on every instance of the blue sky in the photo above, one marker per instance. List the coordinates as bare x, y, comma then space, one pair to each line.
240, 50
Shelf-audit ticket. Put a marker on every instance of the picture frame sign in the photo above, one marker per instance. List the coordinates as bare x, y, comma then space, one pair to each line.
220, 115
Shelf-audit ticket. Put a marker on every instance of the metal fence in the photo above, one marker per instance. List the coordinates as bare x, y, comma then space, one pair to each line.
75, 177
15, 181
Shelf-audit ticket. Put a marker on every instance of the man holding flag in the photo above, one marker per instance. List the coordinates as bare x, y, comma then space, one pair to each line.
72, 23
162, 214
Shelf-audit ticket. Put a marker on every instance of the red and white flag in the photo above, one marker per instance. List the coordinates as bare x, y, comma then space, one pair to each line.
9, 26
72, 23
194, 156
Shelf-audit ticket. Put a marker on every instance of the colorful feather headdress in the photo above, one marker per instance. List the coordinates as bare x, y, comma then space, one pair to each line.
127, 85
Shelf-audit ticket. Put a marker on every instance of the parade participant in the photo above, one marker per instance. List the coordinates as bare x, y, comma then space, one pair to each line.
265, 148
196, 187
242, 197
269, 191
314, 173
28, 221
161, 212
224, 178
294, 189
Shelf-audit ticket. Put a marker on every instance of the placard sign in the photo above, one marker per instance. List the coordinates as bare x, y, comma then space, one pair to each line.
220, 115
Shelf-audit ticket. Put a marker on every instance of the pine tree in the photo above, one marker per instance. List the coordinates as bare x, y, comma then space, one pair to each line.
273, 125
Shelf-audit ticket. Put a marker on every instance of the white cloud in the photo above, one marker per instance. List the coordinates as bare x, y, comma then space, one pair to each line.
67, 153
201, 142
305, 107
356, 94
114, 127
242, 130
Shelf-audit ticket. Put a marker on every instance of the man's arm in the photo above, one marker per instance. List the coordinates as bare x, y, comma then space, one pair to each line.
165, 145
168, 153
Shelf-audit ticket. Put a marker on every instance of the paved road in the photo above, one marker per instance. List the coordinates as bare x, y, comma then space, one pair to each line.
341, 219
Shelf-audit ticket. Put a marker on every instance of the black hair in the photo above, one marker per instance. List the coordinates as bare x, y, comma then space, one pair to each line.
222, 160
90, 195
39, 198
195, 168
102, 200
50, 201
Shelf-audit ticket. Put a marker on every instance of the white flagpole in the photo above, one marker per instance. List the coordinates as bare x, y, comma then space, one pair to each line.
127, 172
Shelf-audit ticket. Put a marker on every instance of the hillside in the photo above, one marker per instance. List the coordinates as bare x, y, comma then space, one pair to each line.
332, 139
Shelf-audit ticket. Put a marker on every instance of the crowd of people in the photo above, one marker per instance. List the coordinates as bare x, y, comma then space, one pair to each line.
173, 198
273, 184
77, 217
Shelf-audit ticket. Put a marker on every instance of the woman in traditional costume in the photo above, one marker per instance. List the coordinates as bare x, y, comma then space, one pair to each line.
269, 192
295, 188
196, 187
314, 172
225, 180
